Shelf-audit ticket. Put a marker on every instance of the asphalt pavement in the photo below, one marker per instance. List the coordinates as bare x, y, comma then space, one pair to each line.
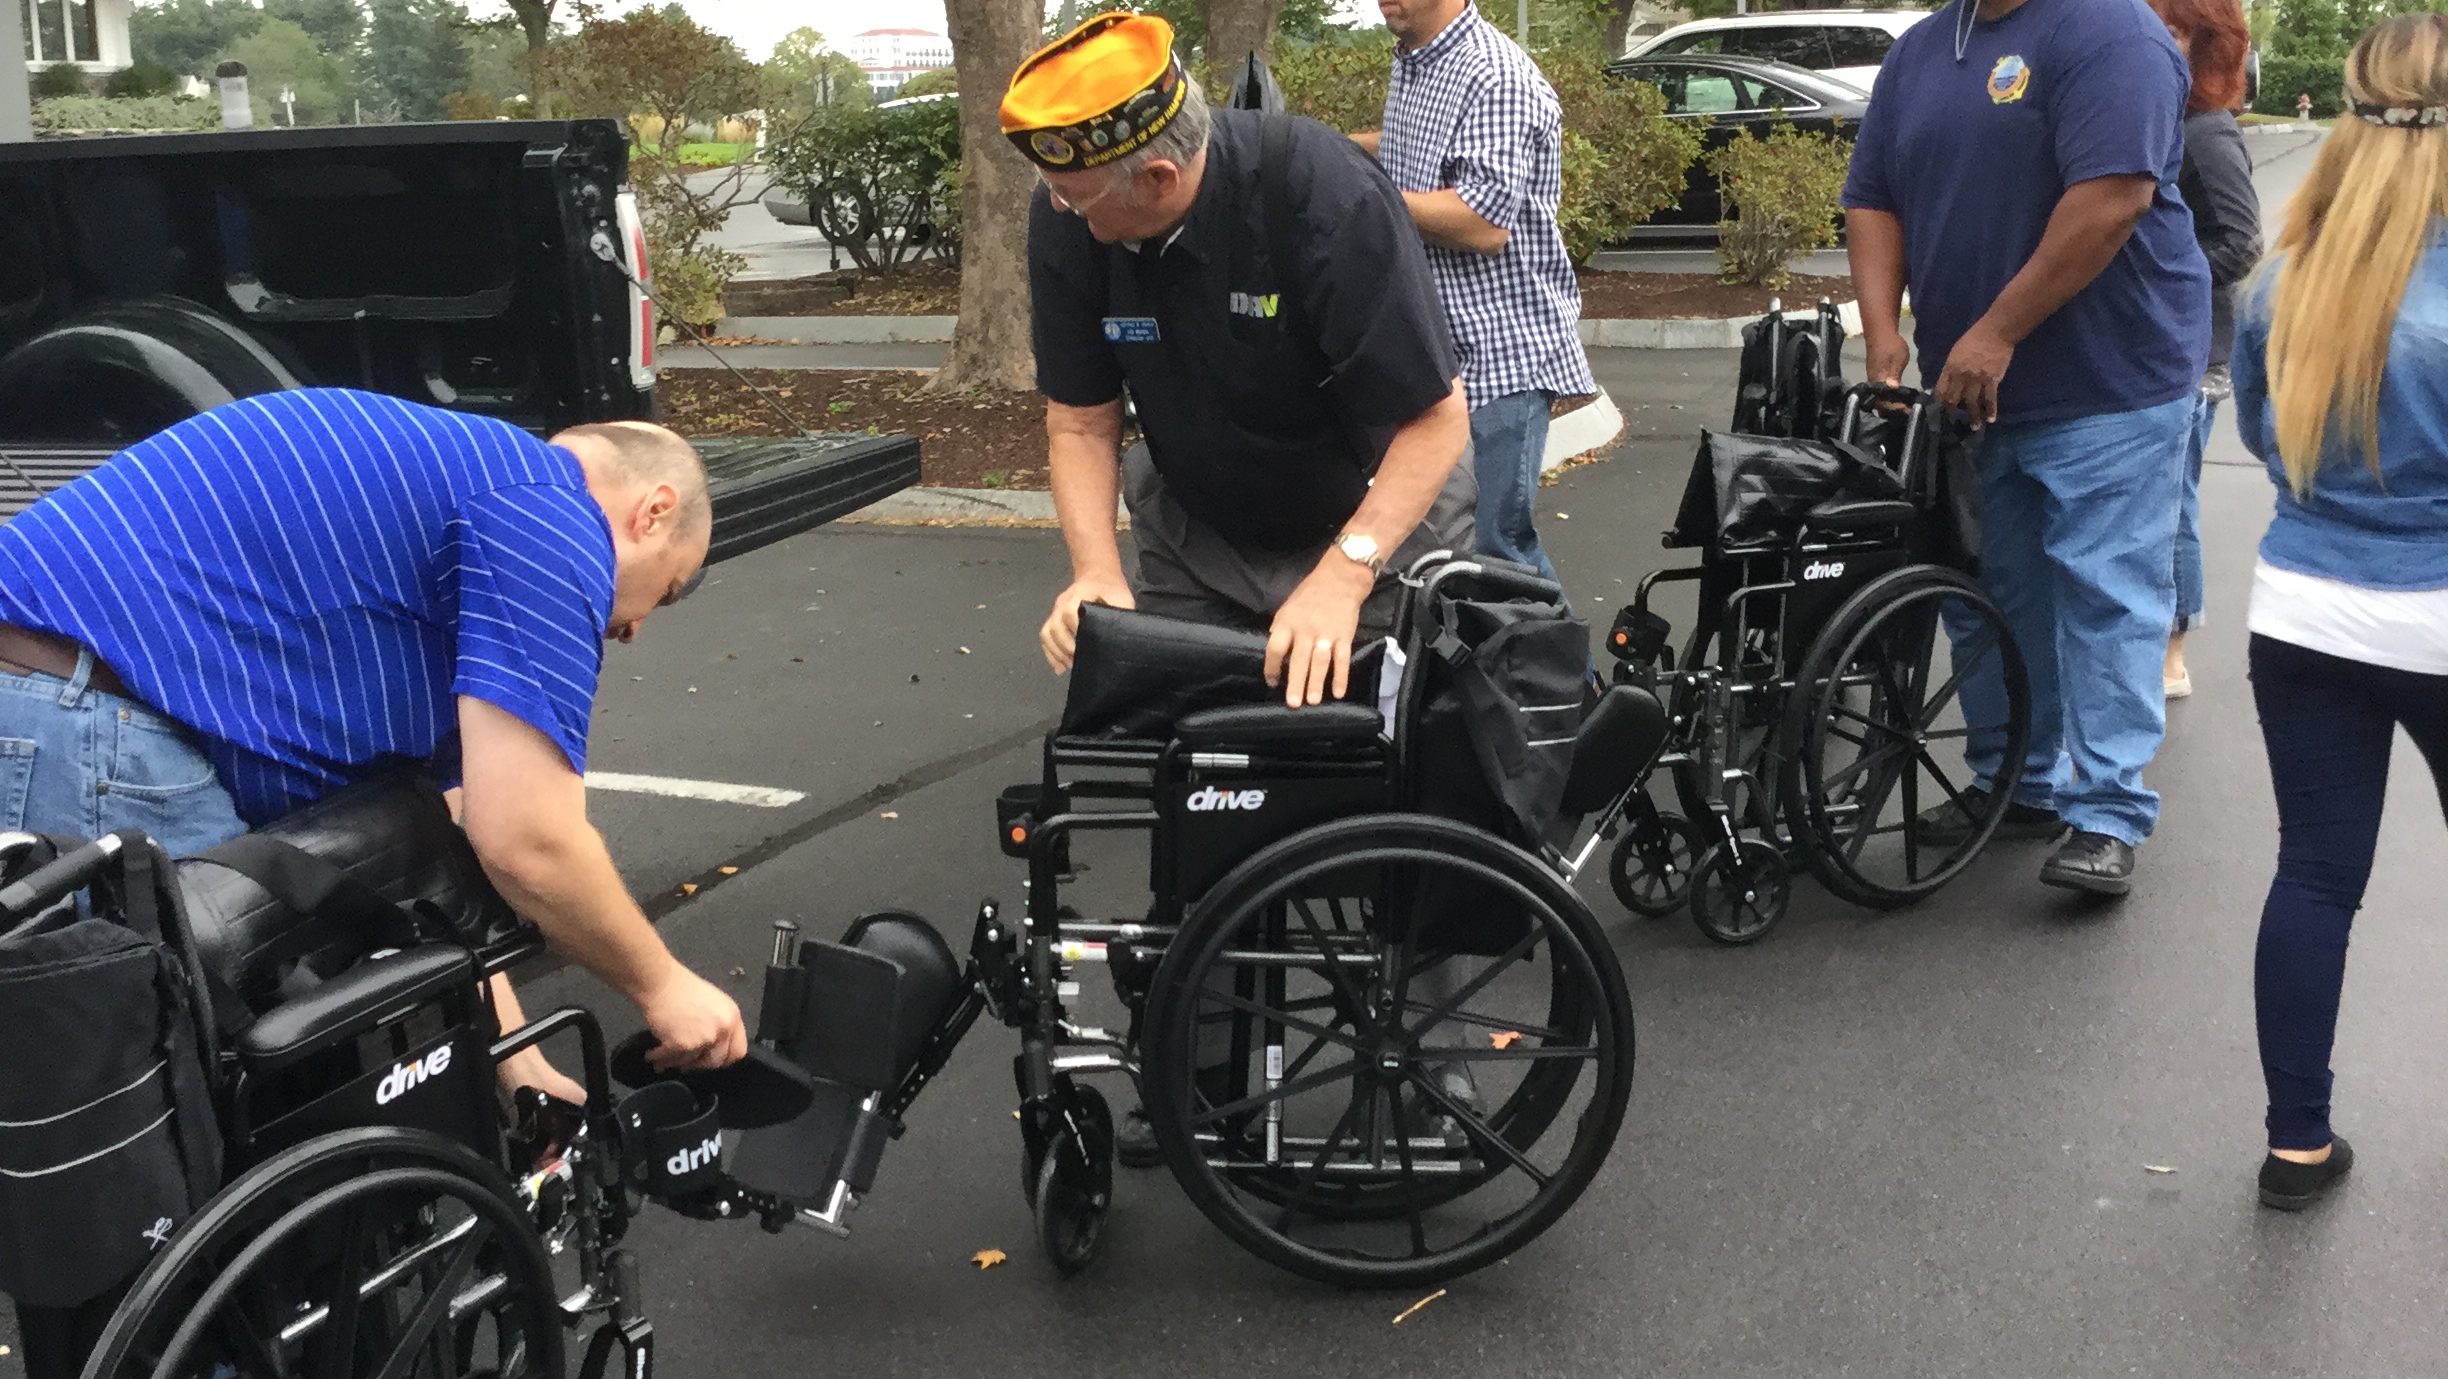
2001, 1134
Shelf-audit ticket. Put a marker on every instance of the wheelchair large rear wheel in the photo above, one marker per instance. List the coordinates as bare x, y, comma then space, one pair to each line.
1879, 724
1398, 1101
378, 1252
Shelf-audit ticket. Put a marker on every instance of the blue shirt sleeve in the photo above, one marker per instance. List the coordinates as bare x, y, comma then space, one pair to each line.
532, 570
1866, 179
2118, 108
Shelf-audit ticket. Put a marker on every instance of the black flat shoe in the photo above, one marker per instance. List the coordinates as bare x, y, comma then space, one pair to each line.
2092, 862
1947, 823
2290, 1186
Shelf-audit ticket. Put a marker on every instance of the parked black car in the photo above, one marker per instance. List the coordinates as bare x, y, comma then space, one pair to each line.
1732, 93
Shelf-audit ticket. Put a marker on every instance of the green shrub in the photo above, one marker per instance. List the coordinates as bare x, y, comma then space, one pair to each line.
59, 79
2284, 77
1623, 162
690, 287
142, 80
101, 114
872, 179
1784, 195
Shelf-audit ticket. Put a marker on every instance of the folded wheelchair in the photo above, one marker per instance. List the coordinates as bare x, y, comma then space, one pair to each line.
1816, 716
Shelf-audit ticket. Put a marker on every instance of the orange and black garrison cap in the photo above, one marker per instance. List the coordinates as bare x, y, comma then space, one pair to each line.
1097, 93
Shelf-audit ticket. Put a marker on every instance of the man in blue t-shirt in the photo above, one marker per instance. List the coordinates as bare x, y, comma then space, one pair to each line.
2017, 171
291, 592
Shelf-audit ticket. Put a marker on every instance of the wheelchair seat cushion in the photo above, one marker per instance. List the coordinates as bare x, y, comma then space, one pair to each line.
1325, 727
1139, 674
393, 834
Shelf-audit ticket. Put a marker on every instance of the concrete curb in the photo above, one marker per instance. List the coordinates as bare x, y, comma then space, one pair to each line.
1576, 432
905, 330
843, 330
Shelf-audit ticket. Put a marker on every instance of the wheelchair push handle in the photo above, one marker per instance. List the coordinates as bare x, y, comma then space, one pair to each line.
58, 879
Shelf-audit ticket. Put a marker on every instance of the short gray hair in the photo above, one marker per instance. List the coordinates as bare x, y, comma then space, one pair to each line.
645, 453
1179, 143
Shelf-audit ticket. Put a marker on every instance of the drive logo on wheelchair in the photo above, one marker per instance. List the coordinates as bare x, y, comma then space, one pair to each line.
1210, 799
1824, 569
409, 1076
688, 1161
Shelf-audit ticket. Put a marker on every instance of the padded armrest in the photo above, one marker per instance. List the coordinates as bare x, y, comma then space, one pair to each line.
355, 999
1861, 514
1342, 725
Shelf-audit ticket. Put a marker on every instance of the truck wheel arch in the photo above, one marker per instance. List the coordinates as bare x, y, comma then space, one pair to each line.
125, 370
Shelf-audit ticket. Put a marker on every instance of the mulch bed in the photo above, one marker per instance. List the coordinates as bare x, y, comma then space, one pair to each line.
977, 440
933, 289
983, 440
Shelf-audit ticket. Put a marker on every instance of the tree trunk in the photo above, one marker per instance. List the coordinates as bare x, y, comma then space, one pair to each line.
990, 346
1620, 14
1236, 29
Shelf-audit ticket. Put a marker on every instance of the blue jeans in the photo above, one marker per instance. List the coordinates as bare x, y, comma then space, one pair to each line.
2078, 521
1509, 439
79, 763
2189, 595
2329, 724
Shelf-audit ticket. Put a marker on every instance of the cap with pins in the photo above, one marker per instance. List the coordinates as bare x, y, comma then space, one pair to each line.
1097, 93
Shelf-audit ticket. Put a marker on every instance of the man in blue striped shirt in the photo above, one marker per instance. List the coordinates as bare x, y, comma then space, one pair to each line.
295, 591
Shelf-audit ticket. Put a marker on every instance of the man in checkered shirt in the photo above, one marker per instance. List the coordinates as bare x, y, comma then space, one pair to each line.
1474, 138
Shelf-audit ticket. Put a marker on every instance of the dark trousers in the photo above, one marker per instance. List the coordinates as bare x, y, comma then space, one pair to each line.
2329, 724
58, 1340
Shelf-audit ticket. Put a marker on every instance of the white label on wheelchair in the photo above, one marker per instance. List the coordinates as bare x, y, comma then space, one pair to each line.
409, 1076
688, 1161
1824, 569
1211, 799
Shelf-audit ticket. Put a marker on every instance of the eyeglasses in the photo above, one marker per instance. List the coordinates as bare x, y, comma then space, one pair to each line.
1082, 207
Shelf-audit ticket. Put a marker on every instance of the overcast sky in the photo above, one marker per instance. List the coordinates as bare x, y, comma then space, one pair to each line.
756, 24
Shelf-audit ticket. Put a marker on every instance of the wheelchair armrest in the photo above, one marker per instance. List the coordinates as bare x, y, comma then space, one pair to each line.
1340, 725
355, 1000
1860, 514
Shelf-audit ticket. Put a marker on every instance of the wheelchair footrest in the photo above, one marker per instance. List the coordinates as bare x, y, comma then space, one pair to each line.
671, 1141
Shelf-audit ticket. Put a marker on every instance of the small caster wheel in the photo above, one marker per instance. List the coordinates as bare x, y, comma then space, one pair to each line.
1074, 1187
1739, 893
1651, 868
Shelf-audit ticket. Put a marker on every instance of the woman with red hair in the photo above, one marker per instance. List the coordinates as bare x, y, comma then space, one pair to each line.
2217, 186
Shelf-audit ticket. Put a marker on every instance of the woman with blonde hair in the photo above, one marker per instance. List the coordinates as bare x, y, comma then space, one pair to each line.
2340, 390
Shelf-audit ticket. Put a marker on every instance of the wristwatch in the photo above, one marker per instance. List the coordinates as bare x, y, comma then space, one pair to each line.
1361, 549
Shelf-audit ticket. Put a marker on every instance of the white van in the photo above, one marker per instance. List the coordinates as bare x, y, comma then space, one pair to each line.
1848, 45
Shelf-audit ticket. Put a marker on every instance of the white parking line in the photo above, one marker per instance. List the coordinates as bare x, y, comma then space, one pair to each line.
759, 796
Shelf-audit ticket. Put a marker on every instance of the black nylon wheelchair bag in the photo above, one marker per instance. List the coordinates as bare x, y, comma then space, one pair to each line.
1137, 674
1752, 490
108, 1132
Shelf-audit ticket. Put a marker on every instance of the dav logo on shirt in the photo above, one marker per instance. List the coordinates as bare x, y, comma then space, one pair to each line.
2009, 81
1256, 307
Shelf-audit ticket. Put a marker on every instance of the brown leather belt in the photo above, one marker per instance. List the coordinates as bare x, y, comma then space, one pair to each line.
24, 650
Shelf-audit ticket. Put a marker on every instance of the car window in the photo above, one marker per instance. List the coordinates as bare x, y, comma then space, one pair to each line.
1706, 93
1768, 95
1858, 47
1706, 45
1803, 45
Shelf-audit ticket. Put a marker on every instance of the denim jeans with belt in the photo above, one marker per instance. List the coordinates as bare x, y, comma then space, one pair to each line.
2078, 531
79, 763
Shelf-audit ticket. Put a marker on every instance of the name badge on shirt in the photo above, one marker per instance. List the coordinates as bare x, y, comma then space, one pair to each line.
1131, 330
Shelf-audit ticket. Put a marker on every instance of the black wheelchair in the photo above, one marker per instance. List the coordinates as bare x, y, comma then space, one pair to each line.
383, 1212
1378, 1038
1812, 698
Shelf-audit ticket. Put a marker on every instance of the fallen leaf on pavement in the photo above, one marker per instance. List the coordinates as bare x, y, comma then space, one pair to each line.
688, 888
2158, 1168
1504, 1038
730, 871
986, 1259
739, 971
1423, 1302
889, 814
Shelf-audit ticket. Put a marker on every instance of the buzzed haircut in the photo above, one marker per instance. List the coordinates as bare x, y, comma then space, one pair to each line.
651, 454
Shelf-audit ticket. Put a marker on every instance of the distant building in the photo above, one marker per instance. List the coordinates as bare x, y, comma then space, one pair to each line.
93, 34
890, 57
